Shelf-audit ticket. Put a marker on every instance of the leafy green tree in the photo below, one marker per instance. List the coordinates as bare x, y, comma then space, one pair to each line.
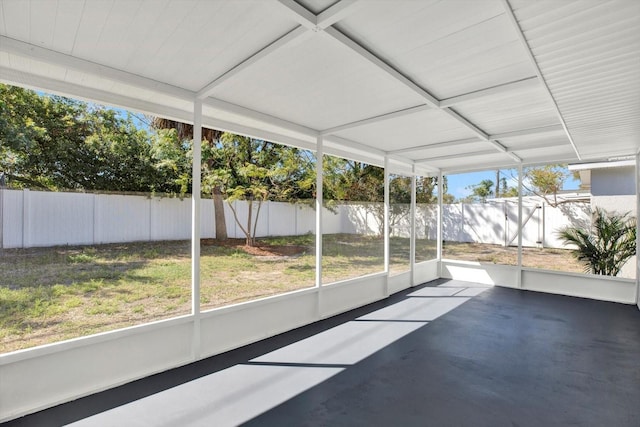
481, 191
55, 143
255, 171
546, 182
607, 246
183, 134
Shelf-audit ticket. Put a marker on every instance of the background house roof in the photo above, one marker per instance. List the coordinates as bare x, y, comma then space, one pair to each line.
436, 85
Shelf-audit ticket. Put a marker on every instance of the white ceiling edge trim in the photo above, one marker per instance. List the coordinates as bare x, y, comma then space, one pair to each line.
59, 87
516, 25
38, 53
261, 117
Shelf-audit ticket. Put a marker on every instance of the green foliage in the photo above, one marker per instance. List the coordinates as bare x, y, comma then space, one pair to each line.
352, 181
249, 169
607, 246
56, 143
546, 181
481, 191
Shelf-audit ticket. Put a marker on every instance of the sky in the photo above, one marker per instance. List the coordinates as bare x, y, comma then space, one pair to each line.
457, 184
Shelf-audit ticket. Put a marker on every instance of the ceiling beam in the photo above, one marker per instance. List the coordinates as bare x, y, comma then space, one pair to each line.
506, 88
534, 147
397, 75
354, 145
528, 132
456, 156
301, 14
337, 12
60, 87
436, 145
466, 123
259, 116
262, 53
375, 119
67, 61
516, 25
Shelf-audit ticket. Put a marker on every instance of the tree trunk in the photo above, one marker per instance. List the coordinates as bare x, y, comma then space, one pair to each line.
250, 209
218, 208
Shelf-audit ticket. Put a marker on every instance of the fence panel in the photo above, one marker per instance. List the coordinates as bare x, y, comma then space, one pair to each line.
121, 218
12, 218
34, 218
57, 218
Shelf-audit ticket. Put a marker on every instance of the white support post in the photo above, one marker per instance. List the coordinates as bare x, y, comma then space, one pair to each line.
387, 248
637, 230
439, 223
195, 225
520, 225
412, 246
319, 201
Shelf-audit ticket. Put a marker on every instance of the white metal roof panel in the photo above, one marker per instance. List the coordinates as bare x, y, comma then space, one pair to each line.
472, 162
301, 80
531, 108
421, 128
448, 48
378, 58
589, 54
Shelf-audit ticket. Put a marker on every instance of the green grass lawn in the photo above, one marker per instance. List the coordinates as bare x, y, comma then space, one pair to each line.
52, 294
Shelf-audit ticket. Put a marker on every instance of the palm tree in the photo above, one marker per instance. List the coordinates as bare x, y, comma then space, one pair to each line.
607, 246
185, 131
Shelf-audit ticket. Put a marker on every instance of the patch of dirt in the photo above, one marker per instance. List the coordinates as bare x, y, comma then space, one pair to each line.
260, 249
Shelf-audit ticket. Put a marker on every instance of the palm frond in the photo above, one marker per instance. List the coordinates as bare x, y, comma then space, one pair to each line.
607, 246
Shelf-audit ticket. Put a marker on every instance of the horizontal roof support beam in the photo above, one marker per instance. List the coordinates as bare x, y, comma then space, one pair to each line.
528, 132
354, 145
21, 78
382, 117
277, 44
538, 146
466, 123
397, 75
262, 117
456, 156
67, 61
300, 13
436, 145
511, 87
337, 12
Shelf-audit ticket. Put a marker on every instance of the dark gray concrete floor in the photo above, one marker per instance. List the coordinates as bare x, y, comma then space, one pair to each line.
502, 358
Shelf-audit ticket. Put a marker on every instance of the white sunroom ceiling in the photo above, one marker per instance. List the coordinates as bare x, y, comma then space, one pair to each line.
450, 84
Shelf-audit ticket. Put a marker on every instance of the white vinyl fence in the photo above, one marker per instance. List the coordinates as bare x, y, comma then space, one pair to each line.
40, 219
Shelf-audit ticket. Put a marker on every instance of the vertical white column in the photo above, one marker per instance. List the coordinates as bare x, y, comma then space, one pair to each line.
520, 225
412, 216
439, 223
195, 225
385, 220
319, 201
637, 230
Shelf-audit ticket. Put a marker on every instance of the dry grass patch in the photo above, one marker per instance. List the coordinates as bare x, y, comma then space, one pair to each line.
52, 294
